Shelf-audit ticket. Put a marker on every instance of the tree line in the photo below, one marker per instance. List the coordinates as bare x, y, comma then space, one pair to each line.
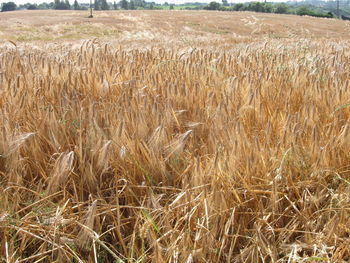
97, 5
279, 8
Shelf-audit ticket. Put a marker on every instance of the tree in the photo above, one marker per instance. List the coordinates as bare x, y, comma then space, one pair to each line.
124, 4
67, 4
60, 5
212, 6
45, 6
256, 7
303, 11
32, 7
104, 5
76, 5
97, 5
57, 4
238, 7
50, 5
171, 7
132, 5
115, 7
139, 3
281, 8
28, 6
225, 3
9, 6
268, 7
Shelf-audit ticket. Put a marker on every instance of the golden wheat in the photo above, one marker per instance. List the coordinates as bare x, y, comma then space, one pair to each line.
165, 155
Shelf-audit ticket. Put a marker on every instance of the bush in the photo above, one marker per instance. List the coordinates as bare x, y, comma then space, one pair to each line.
304, 11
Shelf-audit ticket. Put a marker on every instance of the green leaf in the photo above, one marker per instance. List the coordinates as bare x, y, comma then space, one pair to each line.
341, 107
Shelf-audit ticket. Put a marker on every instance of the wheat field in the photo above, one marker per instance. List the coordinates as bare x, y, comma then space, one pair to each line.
169, 154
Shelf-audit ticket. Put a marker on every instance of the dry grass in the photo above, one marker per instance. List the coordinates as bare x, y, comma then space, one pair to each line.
165, 28
164, 155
